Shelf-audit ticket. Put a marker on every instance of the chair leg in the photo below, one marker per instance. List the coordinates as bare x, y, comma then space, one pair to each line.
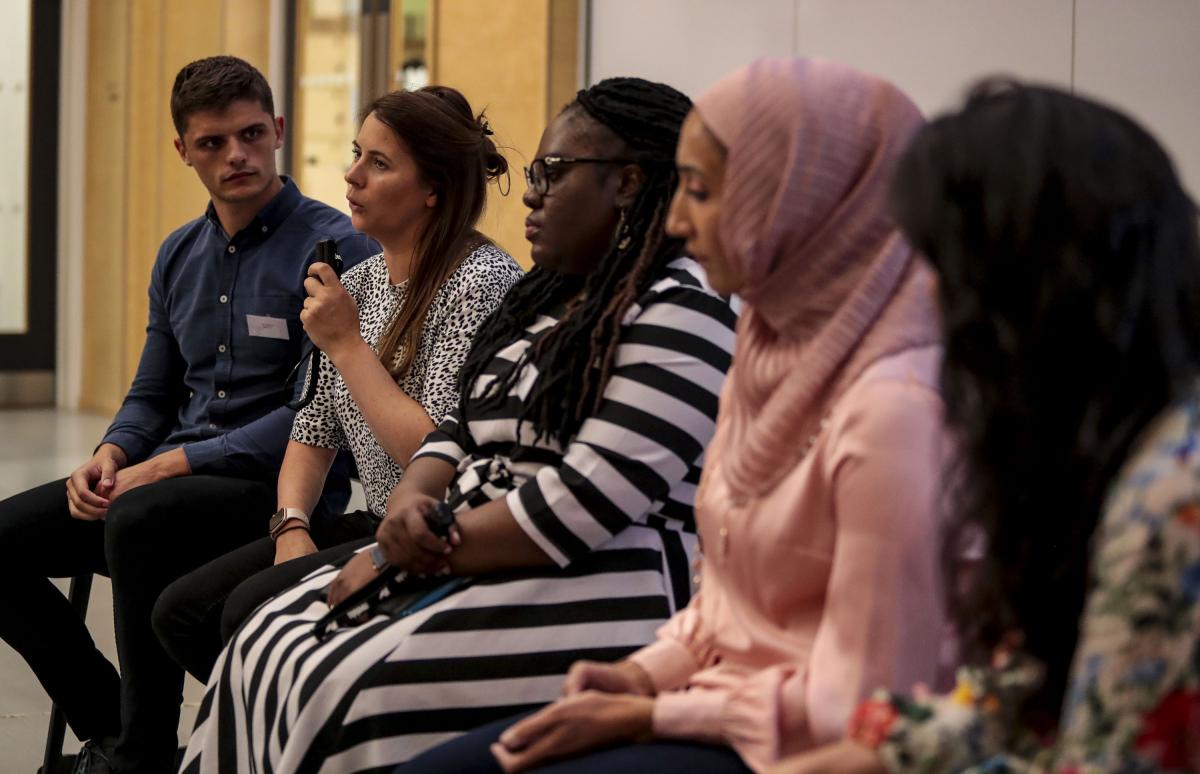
78, 595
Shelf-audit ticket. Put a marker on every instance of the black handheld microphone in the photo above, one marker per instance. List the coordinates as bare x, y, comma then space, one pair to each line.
440, 520
325, 252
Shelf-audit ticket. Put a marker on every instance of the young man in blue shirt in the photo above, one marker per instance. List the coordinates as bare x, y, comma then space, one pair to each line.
199, 439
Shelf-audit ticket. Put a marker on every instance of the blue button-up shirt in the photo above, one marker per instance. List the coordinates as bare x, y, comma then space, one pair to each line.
224, 333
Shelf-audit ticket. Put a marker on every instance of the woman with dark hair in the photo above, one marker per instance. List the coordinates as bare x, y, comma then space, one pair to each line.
393, 334
819, 503
1069, 269
572, 458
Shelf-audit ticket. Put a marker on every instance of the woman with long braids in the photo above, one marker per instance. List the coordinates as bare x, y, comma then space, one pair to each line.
1069, 266
585, 406
819, 503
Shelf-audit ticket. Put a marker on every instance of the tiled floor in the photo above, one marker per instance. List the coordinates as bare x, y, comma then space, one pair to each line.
37, 446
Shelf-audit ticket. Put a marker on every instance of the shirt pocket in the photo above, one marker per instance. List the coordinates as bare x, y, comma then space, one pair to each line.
267, 350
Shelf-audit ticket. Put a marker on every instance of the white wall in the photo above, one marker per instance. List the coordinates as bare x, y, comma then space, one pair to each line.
14, 152
1143, 57
686, 43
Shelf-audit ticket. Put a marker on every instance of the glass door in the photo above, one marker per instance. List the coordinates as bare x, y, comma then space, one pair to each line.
344, 54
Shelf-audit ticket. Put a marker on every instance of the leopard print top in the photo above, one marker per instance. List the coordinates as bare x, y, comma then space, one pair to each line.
468, 296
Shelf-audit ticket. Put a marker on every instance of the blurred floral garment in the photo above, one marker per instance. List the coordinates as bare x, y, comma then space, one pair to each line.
1133, 704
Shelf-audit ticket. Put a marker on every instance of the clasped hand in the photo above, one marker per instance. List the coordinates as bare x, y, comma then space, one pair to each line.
95, 484
602, 705
406, 542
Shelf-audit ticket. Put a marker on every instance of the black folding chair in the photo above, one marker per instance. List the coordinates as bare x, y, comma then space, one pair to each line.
54, 761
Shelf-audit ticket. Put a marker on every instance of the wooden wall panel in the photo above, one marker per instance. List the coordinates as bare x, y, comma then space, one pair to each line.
509, 81
137, 188
247, 33
190, 31
103, 381
522, 83
562, 64
148, 119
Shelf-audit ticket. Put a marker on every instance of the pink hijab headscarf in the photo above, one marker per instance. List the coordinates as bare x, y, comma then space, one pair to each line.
831, 286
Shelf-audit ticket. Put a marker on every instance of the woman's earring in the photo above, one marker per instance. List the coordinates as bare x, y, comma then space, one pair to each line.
624, 239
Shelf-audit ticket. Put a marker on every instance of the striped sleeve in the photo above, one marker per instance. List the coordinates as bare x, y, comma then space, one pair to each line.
657, 414
445, 442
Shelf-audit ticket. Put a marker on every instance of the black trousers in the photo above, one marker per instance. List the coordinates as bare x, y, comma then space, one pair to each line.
198, 613
470, 754
151, 536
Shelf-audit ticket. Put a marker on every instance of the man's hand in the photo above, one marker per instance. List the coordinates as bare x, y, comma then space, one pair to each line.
622, 677
357, 573
576, 724
166, 465
405, 538
293, 544
330, 316
89, 489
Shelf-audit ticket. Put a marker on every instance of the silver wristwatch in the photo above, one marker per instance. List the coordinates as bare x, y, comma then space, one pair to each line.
377, 559
284, 519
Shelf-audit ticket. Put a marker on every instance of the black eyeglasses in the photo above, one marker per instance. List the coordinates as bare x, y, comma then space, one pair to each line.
536, 174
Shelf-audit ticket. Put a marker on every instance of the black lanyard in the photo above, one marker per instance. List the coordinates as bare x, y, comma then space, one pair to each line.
404, 595
326, 252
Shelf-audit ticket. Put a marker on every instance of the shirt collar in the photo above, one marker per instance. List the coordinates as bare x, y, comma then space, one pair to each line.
269, 218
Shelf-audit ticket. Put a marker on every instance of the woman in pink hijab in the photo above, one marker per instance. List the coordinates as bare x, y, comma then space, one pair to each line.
819, 506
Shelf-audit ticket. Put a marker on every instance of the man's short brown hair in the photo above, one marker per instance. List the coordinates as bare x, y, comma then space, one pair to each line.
214, 84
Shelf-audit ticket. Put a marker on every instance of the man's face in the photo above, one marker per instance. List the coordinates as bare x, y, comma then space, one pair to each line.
233, 150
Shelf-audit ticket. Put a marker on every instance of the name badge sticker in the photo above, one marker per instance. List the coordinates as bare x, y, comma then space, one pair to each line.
267, 327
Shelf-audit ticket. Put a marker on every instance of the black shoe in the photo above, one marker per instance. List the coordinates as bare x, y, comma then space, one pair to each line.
94, 758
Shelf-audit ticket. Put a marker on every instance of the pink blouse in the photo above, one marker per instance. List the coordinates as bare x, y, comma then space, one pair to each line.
822, 590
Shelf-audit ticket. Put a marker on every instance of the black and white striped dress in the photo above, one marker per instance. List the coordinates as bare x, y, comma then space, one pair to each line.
613, 509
